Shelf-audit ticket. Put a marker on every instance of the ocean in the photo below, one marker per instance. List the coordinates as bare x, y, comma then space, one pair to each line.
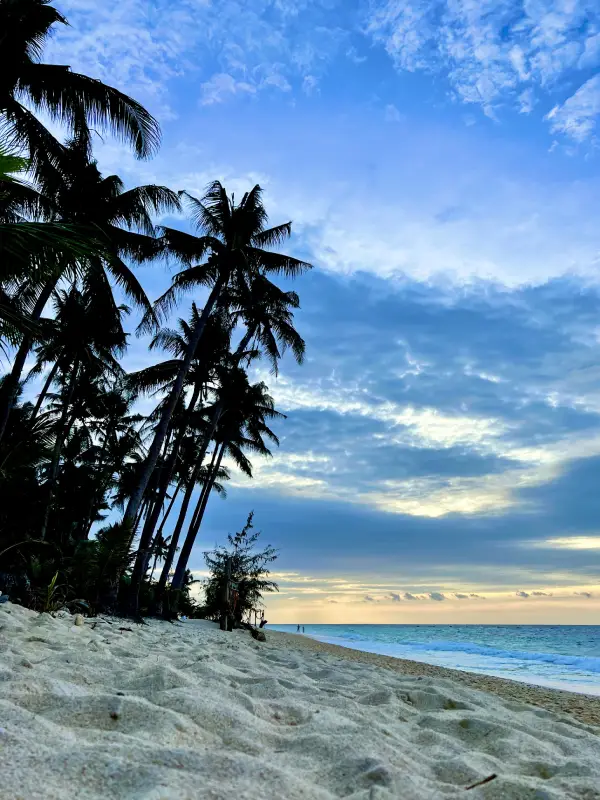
560, 656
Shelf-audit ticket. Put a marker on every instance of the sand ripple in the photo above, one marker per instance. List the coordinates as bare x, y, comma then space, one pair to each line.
185, 711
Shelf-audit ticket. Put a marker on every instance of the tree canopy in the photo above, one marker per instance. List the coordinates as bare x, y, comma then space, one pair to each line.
101, 504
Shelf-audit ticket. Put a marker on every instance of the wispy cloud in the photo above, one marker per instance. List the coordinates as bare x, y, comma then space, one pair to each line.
496, 53
568, 543
577, 116
231, 46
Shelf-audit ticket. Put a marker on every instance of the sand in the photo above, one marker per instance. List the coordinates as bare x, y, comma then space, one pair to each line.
584, 707
165, 712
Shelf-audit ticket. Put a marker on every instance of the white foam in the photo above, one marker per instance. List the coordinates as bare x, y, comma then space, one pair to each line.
187, 711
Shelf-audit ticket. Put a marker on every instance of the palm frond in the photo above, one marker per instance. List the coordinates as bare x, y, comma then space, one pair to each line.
82, 102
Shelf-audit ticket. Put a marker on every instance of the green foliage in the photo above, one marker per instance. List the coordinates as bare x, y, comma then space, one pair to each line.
52, 597
98, 565
76, 455
248, 568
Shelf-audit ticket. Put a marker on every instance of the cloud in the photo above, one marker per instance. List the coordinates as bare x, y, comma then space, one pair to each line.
222, 86
522, 594
494, 54
438, 596
577, 116
232, 46
310, 85
568, 543
391, 114
409, 596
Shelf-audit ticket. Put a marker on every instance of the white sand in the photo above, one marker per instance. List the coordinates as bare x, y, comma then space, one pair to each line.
186, 711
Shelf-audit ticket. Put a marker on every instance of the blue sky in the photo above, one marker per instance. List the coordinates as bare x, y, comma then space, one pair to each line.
440, 163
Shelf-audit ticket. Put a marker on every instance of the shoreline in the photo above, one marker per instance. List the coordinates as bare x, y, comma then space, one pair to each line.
583, 707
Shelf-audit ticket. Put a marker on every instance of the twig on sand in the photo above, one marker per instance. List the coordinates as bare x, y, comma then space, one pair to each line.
480, 783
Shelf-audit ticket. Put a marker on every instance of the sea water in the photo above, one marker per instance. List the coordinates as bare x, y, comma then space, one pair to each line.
560, 656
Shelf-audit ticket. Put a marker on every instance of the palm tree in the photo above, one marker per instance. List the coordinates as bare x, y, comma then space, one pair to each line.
122, 220
86, 347
160, 548
243, 427
67, 97
266, 312
29, 247
234, 241
210, 352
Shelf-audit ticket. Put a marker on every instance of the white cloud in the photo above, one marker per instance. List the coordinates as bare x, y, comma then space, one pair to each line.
568, 543
577, 116
223, 86
492, 52
527, 101
391, 113
142, 47
418, 427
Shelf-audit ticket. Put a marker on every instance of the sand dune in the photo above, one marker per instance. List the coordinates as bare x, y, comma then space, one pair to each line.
185, 711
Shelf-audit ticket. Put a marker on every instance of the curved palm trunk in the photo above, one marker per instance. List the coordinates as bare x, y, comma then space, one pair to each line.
145, 544
99, 493
161, 527
186, 550
152, 571
63, 429
45, 389
161, 430
11, 385
168, 563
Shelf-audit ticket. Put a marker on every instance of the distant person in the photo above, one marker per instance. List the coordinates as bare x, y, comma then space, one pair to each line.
298, 629
303, 629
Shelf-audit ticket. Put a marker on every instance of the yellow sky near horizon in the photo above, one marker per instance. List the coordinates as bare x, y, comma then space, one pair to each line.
499, 610
309, 599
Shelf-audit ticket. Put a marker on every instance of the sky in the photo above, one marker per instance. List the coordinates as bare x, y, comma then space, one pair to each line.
440, 162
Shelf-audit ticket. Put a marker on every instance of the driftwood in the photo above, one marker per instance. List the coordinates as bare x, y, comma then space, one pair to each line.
480, 783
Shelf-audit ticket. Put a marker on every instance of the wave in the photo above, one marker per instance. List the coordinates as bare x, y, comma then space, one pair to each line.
404, 649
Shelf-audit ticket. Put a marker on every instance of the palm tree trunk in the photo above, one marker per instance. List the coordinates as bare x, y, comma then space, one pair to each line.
165, 420
186, 550
62, 431
11, 385
170, 508
45, 389
99, 493
144, 547
168, 563
156, 553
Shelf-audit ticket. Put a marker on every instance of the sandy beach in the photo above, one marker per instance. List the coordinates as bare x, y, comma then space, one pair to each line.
109, 709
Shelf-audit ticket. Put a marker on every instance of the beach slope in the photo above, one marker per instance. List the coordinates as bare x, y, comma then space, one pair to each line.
185, 711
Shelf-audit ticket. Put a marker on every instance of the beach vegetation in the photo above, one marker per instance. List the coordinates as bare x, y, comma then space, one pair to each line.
106, 471
246, 568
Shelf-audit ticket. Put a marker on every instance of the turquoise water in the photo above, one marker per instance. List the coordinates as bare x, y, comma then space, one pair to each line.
562, 656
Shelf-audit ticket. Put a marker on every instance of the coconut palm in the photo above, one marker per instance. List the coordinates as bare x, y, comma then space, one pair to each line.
122, 222
234, 241
210, 353
85, 346
66, 97
242, 427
